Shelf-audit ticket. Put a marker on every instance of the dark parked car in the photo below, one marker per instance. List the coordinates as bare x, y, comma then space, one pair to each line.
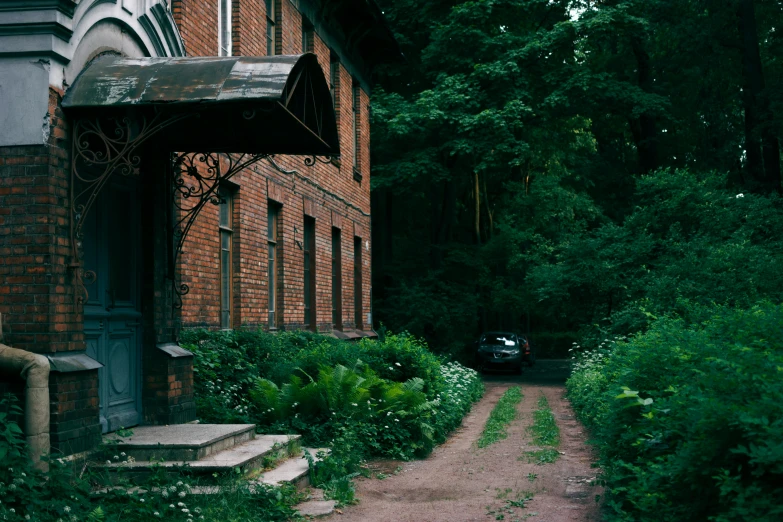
528, 350
500, 350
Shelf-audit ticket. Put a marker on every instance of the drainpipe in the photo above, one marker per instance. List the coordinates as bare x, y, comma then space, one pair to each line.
34, 369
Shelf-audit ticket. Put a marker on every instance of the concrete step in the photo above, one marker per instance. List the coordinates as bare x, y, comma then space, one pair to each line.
294, 471
316, 508
315, 505
181, 442
258, 453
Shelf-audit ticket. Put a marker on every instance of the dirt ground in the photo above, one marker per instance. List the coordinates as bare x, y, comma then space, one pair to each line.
460, 482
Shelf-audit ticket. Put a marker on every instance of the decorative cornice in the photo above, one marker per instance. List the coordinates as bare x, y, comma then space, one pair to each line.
67, 7
54, 28
169, 28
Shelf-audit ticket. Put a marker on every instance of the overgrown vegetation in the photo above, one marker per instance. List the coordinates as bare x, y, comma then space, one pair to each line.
501, 416
546, 434
371, 399
688, 416
390, 398
67, 494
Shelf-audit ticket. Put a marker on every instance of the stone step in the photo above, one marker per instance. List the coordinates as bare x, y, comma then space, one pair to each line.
257, 453
316, 508
181, 442
294, 471
315, 505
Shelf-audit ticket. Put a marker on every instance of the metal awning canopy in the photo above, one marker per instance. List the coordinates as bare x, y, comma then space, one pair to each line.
258, 105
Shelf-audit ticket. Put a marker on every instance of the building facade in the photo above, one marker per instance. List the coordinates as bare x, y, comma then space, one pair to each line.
151, 178
289, 246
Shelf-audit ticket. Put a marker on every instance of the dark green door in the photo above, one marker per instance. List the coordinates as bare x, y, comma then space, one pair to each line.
112, 315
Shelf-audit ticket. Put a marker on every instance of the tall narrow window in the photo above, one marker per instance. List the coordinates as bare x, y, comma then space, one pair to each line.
334, 83
270, 27
272, 223
224, 27
337, 281
308, 40
357, 282
226, 262
309, 273
357, 141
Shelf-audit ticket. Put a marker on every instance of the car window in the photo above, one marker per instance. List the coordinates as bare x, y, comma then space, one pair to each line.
499, 339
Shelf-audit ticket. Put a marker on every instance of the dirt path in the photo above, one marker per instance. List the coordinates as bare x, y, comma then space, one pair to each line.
460, 482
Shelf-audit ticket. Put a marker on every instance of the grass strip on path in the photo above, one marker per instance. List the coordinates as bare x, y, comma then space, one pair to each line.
502, 414
545, 433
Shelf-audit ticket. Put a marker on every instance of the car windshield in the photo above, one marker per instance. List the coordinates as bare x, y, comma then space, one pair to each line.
498, 339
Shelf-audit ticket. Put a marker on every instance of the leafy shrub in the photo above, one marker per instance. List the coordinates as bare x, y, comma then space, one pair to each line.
688, 417
27, 494
227, 364
392, 419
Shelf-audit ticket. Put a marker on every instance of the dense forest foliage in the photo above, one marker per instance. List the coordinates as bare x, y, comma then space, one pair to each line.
565, 167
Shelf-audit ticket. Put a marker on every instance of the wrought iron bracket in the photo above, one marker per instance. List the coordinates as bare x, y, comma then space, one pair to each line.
100, 148
196, 179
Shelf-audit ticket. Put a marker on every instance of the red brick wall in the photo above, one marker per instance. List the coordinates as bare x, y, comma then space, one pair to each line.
197, 22
327, 190
74, 412
36, 299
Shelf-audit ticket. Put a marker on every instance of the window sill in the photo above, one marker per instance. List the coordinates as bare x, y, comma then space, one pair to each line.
357, 176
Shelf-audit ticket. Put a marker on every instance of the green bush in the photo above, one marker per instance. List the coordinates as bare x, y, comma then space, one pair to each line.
688, 417
392, 419
227, 364
27, 494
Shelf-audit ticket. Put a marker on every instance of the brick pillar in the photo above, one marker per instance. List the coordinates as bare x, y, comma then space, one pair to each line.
38, 299
167, 371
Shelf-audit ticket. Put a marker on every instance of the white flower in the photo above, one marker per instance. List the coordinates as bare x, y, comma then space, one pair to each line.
354, 404
116, 457
391, 368
67, 509
27, 517
108, 462
398, 364
179, 483
122, 454
740, 195
141, 500
386, 427
23, 474
185, 510
172, 506
180, 504
164, 494
182, 494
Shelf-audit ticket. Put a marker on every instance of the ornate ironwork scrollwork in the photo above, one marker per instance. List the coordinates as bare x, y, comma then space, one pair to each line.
310, 160
196, 179
101, 147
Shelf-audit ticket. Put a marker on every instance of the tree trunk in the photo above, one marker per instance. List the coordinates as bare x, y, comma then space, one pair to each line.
477, 198
762, 148
644, 128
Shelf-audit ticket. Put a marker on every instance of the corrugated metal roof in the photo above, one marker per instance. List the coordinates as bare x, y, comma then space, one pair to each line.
116, 81
271, 104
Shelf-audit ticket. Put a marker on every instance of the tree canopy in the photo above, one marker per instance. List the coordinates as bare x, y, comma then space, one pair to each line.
552, 166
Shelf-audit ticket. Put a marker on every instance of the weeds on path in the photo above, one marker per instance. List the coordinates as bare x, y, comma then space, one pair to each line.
545, 434
504, 412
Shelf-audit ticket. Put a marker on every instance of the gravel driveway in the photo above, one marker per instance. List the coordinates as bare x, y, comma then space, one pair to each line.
460, 482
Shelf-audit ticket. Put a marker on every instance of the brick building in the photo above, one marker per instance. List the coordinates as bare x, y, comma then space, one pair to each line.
199, 163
